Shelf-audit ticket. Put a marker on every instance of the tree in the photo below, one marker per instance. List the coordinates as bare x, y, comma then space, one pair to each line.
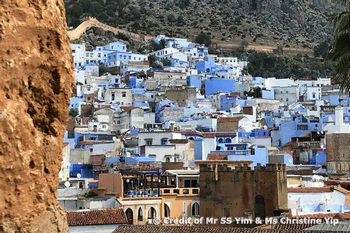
340, 51
180, 20
165, 62
203, 38
244, 44
153, 62
102, 69
73, 112
152, 58
171, 18
321, 50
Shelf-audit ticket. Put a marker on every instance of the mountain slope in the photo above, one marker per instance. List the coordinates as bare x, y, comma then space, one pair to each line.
301, 23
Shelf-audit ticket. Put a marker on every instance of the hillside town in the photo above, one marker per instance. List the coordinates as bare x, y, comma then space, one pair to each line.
182, 133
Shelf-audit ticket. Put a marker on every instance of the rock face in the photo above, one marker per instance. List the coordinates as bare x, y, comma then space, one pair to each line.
36, 73
289, 22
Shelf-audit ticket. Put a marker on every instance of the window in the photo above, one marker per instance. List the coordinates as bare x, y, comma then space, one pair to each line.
195, 209
113, 96
167, 159
228, 140
220, 140
140, 215
190, 183
152, 156
302, 127
123, 94
164, 141
148, 141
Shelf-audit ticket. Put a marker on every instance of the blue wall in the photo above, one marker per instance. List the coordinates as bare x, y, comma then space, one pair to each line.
194, 81
321, 158
215, 85
205, 65
227, 102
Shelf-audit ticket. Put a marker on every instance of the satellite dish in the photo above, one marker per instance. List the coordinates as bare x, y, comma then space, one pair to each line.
79, 175
67, 184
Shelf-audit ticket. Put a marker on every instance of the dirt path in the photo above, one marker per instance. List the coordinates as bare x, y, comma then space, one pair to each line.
78, 31
265, 48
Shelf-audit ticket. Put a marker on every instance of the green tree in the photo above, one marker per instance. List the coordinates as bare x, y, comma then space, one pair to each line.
73, 112
203, 38
171, 18
180, 20
340, 51
321, 50
102, 69
153, 62
165, 62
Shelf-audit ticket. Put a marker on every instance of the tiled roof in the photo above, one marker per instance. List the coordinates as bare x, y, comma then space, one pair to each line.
335, 182
310, 190
340, 216
229, 119
199, 229
218, 134
178, 140
217, 156
191, 132
96, 217
127, 108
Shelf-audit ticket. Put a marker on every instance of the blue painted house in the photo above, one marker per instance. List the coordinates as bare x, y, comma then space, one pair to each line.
215, 85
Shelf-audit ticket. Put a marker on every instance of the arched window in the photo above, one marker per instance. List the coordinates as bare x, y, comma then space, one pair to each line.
167, 160
118, 122
129, 215
195, 209
140, 215
221, 140
152, 214
166, 211
228, 140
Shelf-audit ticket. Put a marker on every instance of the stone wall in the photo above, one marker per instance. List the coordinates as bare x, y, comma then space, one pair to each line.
36, 78
338, 156
227, 192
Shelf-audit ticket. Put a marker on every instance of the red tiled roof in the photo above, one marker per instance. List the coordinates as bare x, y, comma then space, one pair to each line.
199, 229
85, 143
310, 190
316, 216
335, 182
229, 119
178, 141
217, 157
191, 132
96, 217
127, 108
215, 134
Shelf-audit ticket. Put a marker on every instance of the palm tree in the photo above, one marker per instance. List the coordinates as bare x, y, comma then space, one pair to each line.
340, 51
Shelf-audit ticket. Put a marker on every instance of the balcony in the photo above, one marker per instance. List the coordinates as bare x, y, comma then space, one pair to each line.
179, 191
